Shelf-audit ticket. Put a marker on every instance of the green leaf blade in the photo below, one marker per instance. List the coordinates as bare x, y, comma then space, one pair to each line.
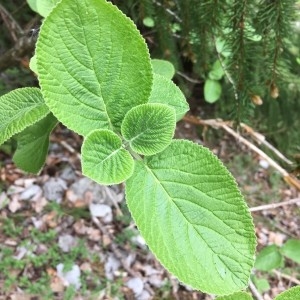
33, 142
19, 109
269, 258
99, 68
291, 294
291, 249
193, 217
163, 68
104, 159
165, 91
149, 128
212, 90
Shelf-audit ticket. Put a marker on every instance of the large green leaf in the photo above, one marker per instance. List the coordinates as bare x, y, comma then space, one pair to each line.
291, 249
166, 92
93, 65
33, 143
193, 217
236, 296
290, 294
20, 109
104, 159
149, 128
269, 258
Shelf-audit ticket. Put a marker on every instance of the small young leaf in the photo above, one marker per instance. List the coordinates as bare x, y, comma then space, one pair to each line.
217, 71
193, 217
236, 296
19, 109
212, 90
149, 22
291, 249
262, 284
33, 143
163, 68
42, 7
290, 294
149, 128
167, 92
99, 68
269, 258
104, 159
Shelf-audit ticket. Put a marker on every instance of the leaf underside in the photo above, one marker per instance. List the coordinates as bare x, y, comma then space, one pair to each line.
193, 217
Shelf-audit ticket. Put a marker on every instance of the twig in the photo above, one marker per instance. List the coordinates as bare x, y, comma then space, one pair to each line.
288, 277
70, 149
275, 205
168, 11
221, 124
113, 200
188, 78
261, 139
254, 291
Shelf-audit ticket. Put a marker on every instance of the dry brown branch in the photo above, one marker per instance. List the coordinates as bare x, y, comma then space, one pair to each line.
215, 123
288, 277
255, 291
275, 205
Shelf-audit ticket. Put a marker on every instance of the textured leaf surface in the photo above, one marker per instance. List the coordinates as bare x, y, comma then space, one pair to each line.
33, 143
291, 294
99, 68
193, 217
269, 258
236, 296
149, 128
104, 159
20, 109
291, 249
212, 90
166, 92
163, 68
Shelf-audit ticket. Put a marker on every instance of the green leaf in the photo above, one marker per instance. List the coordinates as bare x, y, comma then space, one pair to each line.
269, 258
166, 92
262, 284
163, 68
32, 64
19, 109
99, 68
193, 217
33, 145
149, 22
291, 249
149, 128
42, 7
236, 296
104, 159
212, 90
290, 294
216, 72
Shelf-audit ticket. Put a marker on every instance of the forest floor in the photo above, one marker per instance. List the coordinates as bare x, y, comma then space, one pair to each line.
62, 236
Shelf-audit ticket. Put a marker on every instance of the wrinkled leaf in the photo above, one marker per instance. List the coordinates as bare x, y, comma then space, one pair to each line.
193, 217
104, 159
149, 128
19, 109
290, 294
166, 92
99, 68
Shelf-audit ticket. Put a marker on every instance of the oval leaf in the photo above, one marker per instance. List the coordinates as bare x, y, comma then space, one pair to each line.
20, 109
104, 159
163, 68
268, 259
291, 294
33, 142
291, 249
167, 92
193, 217
99, 68
212, 90
149, 128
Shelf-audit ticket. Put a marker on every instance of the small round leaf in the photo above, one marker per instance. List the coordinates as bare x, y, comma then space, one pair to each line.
104, 159
149, 128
